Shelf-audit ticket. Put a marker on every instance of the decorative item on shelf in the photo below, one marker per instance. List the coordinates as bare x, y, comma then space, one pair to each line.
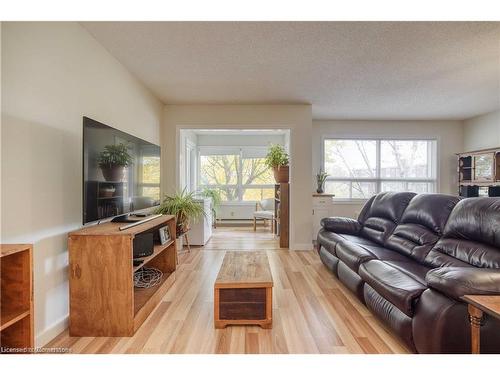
320, 181
107, 191
113, 160
184, 207
277, 159
215, 194
164, 235
147, 277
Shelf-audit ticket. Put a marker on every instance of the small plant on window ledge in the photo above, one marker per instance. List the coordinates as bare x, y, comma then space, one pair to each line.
320, 181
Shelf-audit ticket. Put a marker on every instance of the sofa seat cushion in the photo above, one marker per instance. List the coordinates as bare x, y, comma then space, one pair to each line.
329, 240
396, 286
354, 254
411, 268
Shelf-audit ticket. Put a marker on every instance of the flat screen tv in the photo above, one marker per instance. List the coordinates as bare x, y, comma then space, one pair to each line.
121, 173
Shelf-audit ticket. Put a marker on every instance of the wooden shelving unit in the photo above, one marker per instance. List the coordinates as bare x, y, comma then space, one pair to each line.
479, 173
16, 295
103, 299
282, 213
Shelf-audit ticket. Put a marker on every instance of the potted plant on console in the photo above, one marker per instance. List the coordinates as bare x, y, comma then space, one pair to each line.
277, 159
184, 207
113, 160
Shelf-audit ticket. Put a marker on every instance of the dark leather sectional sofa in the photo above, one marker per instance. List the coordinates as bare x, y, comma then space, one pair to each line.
411, 257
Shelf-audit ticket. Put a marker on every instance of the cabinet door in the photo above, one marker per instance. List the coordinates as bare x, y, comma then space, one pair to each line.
318, 214
484, 167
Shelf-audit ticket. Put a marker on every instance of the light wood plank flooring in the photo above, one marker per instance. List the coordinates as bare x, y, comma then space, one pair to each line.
242, 238
312, 311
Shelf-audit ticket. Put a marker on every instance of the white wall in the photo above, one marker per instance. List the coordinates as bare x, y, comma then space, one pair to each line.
482, 132
297, 118
449, 135
52, 75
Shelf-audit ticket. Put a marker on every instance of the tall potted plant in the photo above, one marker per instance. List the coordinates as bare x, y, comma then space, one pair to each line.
277, 159
113, 160
184, 207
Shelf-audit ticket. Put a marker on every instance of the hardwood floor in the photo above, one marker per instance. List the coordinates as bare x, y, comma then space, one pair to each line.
312, 311
243, 238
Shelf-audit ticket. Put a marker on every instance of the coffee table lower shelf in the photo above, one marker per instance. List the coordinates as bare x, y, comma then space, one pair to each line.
243, 306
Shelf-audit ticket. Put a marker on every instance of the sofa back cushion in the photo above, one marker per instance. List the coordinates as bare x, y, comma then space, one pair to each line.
421, 225
471, 236
382, 213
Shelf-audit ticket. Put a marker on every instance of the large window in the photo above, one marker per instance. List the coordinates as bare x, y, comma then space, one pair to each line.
360, 168
239, 173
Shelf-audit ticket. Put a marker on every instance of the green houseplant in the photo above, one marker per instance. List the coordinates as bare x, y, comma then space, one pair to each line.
320, 181
112, 161
215, 194
184, 207
277, 159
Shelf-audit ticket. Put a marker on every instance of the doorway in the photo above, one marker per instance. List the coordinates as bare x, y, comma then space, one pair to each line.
231, 164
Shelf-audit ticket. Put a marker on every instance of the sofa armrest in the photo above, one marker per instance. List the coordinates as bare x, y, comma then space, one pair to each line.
456, 282
341, 225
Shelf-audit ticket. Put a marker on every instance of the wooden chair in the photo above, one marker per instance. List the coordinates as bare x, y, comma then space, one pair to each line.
266, 212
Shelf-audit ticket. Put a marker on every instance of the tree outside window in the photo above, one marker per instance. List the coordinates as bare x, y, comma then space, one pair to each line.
359, 169
238, 177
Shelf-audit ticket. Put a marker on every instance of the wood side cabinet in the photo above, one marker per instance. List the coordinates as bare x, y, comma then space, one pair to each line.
322, 207
103, 300
16, 295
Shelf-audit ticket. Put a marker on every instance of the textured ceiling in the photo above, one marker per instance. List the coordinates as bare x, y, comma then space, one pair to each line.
346, 70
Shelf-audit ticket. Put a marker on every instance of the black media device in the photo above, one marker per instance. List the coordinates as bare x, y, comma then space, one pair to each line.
143, 245
137, 262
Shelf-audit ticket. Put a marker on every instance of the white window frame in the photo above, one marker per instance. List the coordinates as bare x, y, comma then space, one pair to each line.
378, 180
239, 186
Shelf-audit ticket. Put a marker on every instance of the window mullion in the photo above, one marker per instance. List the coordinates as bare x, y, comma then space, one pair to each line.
240, 176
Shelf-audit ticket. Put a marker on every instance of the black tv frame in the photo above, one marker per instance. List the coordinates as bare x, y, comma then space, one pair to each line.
122, 218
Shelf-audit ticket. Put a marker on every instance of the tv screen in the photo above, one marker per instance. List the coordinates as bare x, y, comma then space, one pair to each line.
121, 173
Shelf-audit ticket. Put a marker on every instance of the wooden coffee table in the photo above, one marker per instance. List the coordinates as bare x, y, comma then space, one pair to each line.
243, 290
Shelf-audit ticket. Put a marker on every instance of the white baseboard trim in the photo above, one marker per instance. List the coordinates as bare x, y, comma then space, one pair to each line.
302, 246
44, 337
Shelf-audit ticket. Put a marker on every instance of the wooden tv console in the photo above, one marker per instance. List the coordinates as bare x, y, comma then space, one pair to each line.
103, 300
